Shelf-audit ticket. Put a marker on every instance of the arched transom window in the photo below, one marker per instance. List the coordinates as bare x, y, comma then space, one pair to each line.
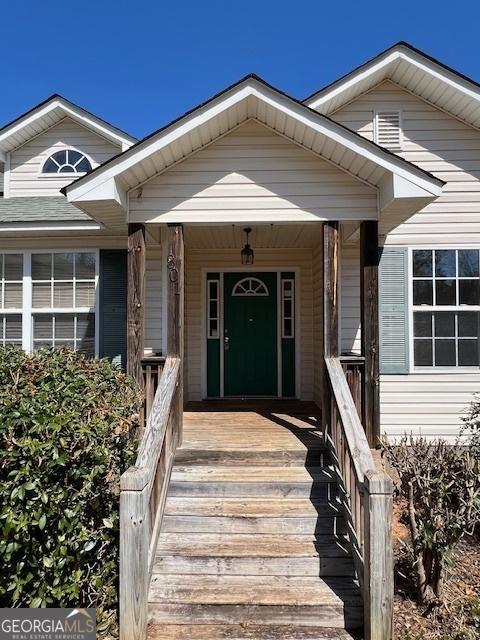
250, 287
67, 161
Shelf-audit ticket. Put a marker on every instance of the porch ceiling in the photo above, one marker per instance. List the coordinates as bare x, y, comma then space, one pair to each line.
395, 178
262, 237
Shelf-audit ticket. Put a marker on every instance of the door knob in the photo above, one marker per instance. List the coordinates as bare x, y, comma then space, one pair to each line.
226, 343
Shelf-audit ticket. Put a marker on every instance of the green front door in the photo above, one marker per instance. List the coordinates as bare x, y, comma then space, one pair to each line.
250, 334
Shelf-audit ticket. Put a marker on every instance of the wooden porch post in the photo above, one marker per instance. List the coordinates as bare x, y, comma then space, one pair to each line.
330, 311
136, 301
369, 328
175, 306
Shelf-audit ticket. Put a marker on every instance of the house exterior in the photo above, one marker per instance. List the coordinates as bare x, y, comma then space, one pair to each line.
386, 156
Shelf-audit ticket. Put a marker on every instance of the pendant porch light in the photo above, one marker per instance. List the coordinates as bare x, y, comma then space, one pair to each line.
246, 253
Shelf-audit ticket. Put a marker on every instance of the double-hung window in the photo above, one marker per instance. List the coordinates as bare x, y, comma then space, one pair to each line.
48, 299
446, 307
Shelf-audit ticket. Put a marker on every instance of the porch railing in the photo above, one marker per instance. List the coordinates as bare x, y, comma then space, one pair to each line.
368, 503
354, 368
143, 491
152, 370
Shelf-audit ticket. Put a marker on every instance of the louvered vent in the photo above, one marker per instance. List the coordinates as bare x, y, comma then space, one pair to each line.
387, 129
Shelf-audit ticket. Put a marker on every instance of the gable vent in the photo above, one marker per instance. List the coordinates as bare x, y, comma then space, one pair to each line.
387, 129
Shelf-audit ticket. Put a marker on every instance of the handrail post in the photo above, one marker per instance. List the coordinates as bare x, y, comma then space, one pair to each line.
378, 556
134, 548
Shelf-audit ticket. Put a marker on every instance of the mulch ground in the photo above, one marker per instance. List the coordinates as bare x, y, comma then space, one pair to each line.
459, 617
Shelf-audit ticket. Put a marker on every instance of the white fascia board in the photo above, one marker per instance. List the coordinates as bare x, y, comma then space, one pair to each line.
349, 140
110, 190
395, 188
429, 67
76, 113
3, 156
357, 78
23, 227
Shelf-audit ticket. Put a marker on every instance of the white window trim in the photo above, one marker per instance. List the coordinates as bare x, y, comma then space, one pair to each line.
412, 308
27, 312
209, 317
57, 176
282, 312
387, 109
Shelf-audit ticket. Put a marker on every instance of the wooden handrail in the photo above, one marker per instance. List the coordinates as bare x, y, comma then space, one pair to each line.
143, 491
368, 499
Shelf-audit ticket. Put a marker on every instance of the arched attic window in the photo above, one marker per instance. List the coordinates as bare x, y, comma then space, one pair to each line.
67, 161
250, 287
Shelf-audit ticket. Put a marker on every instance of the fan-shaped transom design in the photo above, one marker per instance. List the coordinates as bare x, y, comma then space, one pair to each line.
67, 161
250, 287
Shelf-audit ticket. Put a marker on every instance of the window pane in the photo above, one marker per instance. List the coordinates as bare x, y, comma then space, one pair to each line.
73, 156
445, 264
213, 309
422, 263
63, 295
64, 327
41, 266
83, 166
50, 166
445, 292
85, 294
66, 169
85, 326
422, 292
13, 266
287, 328
213, 290
41, 295
423, 351
85, 266
445, 324
468, 325
13, 295
63, 266
468, 263
422, 324
469, 292
60, 157
287, 308
445, 353
43, 327
468, 353
13, 329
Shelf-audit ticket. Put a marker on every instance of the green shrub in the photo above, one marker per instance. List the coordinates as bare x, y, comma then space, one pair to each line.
67, 426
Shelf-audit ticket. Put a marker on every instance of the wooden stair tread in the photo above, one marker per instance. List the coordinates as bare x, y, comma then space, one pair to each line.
251, 507
243, 632
229, 474
254, 590
210, 544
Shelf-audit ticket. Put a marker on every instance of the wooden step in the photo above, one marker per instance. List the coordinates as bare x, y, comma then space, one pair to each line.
260, 599
238, 545
251, 507
232, 481
255, 565
243, 632
230, 524
281, 456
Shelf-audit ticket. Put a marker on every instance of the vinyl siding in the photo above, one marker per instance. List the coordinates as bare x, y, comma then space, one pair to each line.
429, 404
350, 298
197, 260
438, 143
253, 172
27, 161
317, 291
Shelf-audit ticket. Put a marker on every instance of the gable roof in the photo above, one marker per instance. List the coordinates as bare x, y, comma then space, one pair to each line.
411, 69
49, 113
250, 98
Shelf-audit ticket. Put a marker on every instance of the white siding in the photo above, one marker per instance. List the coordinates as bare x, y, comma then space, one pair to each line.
436, 142
251, 172
218, 260
430, 404
27, 161
317, 291
350, 298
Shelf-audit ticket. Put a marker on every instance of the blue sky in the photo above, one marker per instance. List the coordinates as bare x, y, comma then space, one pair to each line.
140, 63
